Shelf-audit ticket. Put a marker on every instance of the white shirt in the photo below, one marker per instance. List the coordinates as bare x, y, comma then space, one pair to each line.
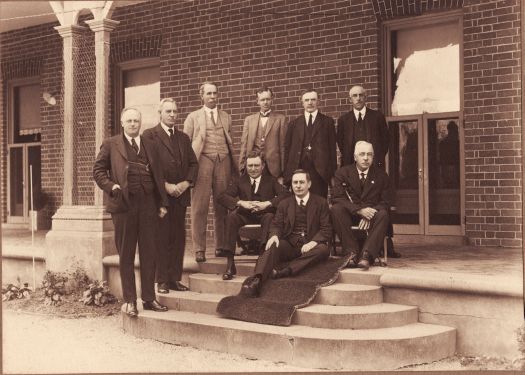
264, 119
307, 116
362, 111
137, 140
257, 182
365, 172
166, 127
304, 199
209, 111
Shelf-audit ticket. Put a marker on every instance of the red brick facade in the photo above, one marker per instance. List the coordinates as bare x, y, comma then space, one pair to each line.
329, 45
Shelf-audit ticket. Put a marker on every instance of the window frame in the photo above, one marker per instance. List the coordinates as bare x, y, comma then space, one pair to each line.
11, 86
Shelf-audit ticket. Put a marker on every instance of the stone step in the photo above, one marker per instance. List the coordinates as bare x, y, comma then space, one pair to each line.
380, 315
245, 265
336, 294
334, 349
358, 276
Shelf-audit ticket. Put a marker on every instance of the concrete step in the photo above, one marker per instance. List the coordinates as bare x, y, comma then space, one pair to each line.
245, 265
358, 276
335, 349
380, 315
336, 294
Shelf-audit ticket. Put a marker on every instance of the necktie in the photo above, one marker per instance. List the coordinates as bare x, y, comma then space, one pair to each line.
363, 178
254, 184
360, 119
310, 120
301, 203
212, 118
170, 130
134, 145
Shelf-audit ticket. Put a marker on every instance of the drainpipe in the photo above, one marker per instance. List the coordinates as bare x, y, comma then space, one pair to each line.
522, 11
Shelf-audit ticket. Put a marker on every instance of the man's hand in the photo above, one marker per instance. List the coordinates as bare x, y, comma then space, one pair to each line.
115, 190
261, 206
180, 188
364, 224
247, 205
162, 212
280, 180
170, 188
308, 246
367, 213
274, 240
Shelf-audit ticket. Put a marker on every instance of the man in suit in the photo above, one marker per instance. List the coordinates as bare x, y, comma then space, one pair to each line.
252, 200
310, 145
362, 124
361, 196
209, 130
299, 233
127, 170
179, 168
265, 131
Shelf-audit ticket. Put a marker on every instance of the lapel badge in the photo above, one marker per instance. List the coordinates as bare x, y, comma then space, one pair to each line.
372, 182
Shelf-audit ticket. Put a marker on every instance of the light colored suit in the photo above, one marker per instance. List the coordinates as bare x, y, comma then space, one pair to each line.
274, 134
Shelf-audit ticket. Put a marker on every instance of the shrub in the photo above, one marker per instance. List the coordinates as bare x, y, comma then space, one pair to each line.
16, 292
97, 294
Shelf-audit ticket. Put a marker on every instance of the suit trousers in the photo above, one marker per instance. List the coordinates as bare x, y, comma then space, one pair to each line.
238, 218
287, 251
138, 225
214, 175
342, 220
171, 243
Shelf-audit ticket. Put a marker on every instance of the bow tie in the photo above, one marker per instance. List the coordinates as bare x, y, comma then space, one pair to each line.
265, 115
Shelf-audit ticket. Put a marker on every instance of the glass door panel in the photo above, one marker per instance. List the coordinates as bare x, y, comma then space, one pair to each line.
16, 184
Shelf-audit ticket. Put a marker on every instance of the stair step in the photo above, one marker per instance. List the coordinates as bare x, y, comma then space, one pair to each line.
245, 265
380, 315
336, 294
358, 276
368, 349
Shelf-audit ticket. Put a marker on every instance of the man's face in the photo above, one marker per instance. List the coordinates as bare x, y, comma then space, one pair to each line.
358, 97
309, 101
254, 166
364, 156
300, 185
210, 96
130, 121
264, 99
168, 113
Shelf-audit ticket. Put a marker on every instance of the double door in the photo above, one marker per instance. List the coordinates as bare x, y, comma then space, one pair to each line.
425, 161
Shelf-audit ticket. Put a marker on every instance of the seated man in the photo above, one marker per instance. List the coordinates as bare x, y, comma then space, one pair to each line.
252, 200
360, 196
299, 233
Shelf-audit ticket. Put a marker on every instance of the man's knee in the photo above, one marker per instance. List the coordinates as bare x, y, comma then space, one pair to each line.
381, 215
322, 251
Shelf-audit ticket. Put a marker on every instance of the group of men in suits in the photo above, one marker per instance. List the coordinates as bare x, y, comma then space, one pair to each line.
148, 178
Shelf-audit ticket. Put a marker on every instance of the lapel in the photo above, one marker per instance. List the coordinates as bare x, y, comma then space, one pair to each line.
164, 138
253, 123
317, 124
121, 146
291, 212
269, 124
301, 128
222, 120
201, 121
369, 182
354, 180
245, 186
310, 214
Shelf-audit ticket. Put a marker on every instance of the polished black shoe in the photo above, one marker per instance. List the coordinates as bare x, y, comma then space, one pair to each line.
364, 263
200, 256
352, 262
154, 305
231, 270
221, 253
130, 308
178, 286
279, 274
163, 288
250, 286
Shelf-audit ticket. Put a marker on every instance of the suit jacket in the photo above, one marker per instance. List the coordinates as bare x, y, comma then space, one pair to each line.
178, 162
269, 190
318, 224
377, 129
323, 146
376, 193
274, 134
111, 167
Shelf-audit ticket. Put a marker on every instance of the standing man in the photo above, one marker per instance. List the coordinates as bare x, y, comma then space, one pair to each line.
310, 145
252, 200
179, 168
209, 131
299, 233
362, 124
361, 196
265, 132
127, 170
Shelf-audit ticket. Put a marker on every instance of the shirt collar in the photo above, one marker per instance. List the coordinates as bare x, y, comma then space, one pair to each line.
307, 115
265, 114
208, 110
137, 139
360, 171
362, 111
166, 127
257, 180
305, 198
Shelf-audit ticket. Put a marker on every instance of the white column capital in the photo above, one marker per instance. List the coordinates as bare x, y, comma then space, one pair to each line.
69, 30
102, 25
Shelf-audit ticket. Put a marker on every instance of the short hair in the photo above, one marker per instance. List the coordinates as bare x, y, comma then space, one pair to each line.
354, 86
297, 171
264, 89
166, 100
255, 154
201, 89
308, 91
362, 143
124, 110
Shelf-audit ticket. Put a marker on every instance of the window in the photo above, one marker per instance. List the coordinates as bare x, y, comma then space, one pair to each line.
25, 112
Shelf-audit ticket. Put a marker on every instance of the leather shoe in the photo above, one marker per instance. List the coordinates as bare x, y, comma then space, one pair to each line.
278, 274
154, 305
250, 286
231, 270
352, 262
200, 256
364, 263
178, 286
163, 288
130, 308
222, 253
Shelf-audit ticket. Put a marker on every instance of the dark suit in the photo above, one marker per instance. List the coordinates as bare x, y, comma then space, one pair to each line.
375, 193
320, 160
134, 211
318, 229
269, 190
377, 135
177, 163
